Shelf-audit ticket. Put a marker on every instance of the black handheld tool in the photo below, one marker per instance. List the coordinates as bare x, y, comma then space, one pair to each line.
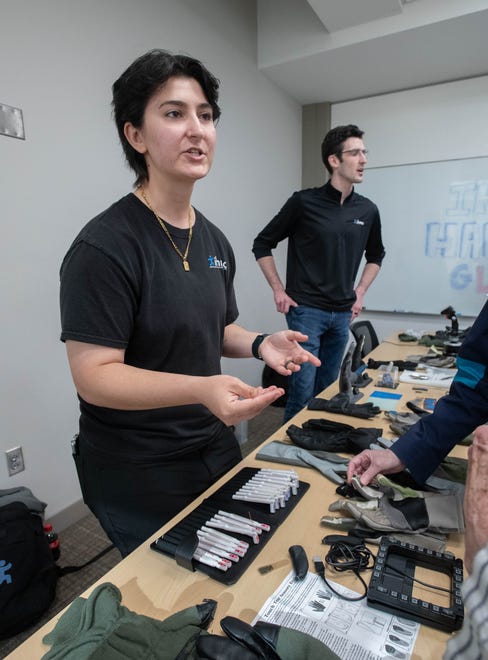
351, 540
299, 561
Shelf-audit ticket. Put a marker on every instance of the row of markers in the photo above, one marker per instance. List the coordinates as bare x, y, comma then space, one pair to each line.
218, 548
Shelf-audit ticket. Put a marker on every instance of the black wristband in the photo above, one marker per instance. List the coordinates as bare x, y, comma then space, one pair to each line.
256, 344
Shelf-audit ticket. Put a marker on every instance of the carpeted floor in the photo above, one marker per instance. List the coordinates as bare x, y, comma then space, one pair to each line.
85, 539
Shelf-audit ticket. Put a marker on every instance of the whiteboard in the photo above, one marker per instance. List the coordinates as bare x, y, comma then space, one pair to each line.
434, 220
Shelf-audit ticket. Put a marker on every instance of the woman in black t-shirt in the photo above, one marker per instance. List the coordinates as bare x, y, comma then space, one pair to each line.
148, 310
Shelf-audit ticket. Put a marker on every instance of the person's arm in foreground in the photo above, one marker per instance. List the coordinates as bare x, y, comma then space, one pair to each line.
371, 462
476, 497
425, 445
103, 379
471, 642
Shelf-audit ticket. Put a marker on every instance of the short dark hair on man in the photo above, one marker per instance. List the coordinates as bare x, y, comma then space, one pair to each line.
334, 141
141, 80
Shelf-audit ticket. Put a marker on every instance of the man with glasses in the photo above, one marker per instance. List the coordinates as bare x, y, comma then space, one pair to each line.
329, 229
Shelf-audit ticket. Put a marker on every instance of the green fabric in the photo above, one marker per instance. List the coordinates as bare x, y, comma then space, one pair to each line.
100, 628
467, 441
294, 645
455, 469
394, 490
403, 336
431, 340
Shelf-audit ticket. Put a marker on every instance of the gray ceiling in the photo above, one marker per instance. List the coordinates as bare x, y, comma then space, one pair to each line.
337, 50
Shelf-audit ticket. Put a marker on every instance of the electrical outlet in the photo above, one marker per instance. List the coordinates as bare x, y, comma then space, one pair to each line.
11, 122
15, 461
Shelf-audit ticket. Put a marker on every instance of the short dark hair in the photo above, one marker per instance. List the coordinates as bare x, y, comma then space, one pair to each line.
334, 141
132, 91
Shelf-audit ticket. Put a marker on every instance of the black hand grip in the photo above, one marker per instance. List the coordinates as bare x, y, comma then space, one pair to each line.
299, 561
342, 538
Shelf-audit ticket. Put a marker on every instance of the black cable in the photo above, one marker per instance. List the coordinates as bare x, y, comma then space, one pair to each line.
343, 557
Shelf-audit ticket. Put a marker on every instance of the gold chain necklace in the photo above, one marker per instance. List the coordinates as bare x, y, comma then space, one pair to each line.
183, 256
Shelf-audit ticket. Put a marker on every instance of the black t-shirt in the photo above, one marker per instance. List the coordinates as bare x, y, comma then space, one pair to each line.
326, 242
123, 285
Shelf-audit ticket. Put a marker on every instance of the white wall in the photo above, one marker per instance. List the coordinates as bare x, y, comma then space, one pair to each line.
440, 122
59, 59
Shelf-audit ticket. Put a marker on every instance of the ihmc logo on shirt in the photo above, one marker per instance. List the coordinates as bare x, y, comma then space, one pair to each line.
213, 262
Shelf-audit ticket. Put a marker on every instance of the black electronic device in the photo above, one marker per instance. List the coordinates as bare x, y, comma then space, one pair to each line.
429, 403
393, 579
450, 314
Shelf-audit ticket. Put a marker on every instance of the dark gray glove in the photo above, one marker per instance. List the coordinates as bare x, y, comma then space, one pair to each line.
343, 407
312, 436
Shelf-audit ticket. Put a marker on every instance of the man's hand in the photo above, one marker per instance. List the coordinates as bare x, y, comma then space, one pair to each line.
357, 308
283, 301
476, 497
371, 462
282, 352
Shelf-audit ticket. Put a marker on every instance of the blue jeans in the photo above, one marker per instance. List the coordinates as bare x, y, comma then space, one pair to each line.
328, 334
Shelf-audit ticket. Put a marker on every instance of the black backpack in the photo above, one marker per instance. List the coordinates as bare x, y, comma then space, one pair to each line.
28, 569
28, 572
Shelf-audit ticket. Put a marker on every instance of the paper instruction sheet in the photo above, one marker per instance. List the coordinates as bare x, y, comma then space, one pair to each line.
353, 630
431, 376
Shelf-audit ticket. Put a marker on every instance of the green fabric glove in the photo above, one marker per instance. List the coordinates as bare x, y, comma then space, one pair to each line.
403, 336
100, 628
292, 644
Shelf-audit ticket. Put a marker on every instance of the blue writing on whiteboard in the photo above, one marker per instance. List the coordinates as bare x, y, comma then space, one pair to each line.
460, 236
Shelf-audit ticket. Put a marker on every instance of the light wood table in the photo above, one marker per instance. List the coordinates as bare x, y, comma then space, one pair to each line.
154, 585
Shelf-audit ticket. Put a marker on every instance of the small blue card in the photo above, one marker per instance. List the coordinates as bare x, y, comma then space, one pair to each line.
385, 400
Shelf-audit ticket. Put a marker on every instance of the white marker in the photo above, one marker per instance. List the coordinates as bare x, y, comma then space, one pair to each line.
264, 526
205, 544
211, 560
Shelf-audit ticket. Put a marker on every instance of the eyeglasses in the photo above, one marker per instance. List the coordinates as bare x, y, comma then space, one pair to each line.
355, 152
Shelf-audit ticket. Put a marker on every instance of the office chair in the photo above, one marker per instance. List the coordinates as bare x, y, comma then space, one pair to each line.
270, 377
365, 329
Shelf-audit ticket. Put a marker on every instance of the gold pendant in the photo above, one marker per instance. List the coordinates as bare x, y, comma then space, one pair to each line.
186, 265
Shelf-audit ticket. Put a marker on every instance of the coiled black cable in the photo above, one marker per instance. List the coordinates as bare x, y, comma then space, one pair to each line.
345, 557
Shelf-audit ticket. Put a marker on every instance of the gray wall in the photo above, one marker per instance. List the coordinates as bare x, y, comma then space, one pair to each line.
59, 59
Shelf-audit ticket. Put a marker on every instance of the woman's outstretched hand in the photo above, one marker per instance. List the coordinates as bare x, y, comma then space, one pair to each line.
233, 401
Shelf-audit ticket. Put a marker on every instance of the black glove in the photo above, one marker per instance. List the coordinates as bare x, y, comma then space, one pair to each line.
264, 641
215, 647
311, 437
315, 440
358, 438
401, 364
245, 643
343, 407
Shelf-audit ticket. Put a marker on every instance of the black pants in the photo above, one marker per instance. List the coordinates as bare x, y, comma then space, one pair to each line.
132, 500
